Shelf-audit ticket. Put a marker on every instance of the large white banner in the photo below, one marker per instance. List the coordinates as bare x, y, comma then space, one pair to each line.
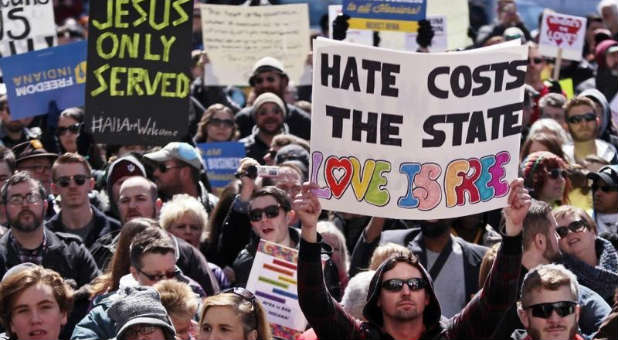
235, 37
415, 135
26, 26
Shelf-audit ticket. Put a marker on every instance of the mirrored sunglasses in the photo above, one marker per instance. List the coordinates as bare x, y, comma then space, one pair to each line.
395, 285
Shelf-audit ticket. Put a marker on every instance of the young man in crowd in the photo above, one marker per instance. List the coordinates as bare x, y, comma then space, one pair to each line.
551, 106
548, 307
401, 301
35, 303
583, 123
269, 76
605, 198
152, 259
12, 131
72, 181
177, 171
540, 247
7, 167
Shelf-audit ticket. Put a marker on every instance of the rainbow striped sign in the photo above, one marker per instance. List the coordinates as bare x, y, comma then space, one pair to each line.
273, 281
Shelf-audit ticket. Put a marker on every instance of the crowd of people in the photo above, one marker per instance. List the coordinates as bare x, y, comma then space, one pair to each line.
132, 241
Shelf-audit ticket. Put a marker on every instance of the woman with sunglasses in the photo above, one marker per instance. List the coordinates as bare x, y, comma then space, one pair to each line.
217, 125
72, 137
593, 259
546, 176
233, 314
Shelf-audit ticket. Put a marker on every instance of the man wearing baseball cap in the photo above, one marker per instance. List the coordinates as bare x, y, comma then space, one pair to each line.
605, 198
177, 171
269, 75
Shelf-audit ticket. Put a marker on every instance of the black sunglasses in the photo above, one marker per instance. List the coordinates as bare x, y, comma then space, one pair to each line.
271, 211
578, 118
158, 277
220, 122
604, 188
65, 181
575, 227
164, 168
259, 80
536, 60
74, 129
395, 285
555, 173
544, 310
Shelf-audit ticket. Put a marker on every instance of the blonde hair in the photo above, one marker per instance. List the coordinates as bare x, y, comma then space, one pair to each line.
251, 313
181, 205
385, 251
177, 298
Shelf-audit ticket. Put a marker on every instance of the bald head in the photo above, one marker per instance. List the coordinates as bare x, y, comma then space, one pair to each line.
137, 197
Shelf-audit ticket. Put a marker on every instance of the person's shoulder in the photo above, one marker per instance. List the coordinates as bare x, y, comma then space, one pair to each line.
475, 248
67, 238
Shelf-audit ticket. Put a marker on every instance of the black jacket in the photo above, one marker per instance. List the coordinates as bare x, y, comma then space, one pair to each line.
65, 254
412, 239
103, 225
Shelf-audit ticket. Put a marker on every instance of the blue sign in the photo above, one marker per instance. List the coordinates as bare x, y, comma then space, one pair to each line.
36, 78
404, 10
222, 160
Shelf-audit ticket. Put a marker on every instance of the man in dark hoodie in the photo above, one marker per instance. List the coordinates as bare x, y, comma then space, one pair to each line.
606, 55
401, 302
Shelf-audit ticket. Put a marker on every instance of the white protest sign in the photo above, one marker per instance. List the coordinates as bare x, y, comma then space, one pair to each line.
363, 37
26, 26
415, 135
235, 37
562, 31
273, 280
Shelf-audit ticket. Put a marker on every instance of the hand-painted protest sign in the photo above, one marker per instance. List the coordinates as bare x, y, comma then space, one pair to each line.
235, 37
442, 143
35, 79
273, 280
561, 31
26, 26
222, 161
139, 54
379, 15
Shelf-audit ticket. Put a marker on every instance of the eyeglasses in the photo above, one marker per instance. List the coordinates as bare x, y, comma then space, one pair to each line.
573, 227
395, 285
271, 211
222, 122
31, 198
163, 168
544, 310
134, 331
555, 173
589, 117
259, 80
74, 129
65, 181
159, 277
536, 60
604, 188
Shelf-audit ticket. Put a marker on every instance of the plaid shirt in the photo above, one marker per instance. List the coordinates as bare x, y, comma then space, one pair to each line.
475, 321
29, 255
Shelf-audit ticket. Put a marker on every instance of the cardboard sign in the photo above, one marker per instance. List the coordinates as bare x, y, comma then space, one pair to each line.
26, 26
273, 280
235, 37
222, 161
379, 15
561, 31
138, 83
35, 79
443, 143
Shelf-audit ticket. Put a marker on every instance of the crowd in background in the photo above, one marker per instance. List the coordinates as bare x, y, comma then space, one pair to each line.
132, 241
